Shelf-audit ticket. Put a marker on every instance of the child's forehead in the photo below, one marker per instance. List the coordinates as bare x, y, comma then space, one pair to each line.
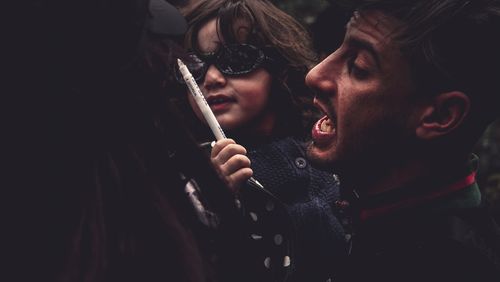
241, 30
210, 36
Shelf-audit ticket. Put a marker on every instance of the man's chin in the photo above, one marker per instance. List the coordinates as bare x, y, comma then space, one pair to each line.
321, 158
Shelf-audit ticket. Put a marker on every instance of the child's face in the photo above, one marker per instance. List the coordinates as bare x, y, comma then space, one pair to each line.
239, 102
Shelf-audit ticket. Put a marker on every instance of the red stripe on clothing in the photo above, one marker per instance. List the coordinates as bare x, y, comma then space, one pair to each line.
463, 183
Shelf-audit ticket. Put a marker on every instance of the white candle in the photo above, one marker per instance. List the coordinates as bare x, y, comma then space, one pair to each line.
201, 102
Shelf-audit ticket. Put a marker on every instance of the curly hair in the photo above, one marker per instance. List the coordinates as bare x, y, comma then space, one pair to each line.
273, 29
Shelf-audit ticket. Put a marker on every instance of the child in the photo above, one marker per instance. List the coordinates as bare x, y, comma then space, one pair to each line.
250, 59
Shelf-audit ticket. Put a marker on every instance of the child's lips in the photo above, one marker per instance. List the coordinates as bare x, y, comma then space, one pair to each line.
219, 102
219, 99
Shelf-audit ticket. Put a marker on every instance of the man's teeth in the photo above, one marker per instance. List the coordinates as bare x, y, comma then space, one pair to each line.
327, 125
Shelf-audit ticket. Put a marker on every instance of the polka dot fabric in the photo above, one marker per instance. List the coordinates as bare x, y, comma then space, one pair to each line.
270, 234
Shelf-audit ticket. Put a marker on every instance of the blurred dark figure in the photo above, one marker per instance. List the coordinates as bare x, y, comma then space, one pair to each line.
328, 29
99, 164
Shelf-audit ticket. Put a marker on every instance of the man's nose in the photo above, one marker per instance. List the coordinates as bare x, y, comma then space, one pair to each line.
322, 78
214, 78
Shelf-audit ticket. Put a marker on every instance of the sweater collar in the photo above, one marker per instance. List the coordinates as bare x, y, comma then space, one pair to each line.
421, 194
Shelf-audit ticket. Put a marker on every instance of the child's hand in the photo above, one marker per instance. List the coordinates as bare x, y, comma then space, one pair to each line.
231, 162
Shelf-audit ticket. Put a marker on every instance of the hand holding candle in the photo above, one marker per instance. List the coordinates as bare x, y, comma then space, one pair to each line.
206, 111
201, 102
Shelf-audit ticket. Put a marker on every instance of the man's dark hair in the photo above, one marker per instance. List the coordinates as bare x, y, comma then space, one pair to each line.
451, 45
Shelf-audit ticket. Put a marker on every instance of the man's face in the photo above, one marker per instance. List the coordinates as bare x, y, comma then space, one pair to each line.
366, 92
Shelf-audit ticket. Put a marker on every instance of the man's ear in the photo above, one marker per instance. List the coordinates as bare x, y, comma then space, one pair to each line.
443, 114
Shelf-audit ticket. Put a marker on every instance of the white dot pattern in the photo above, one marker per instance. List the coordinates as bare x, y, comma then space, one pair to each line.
254, 216
278, 239
267, 262
256, 237
237, 203
270, 206
286, 261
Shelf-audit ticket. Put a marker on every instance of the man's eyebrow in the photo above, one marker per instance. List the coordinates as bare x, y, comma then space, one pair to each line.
367, 46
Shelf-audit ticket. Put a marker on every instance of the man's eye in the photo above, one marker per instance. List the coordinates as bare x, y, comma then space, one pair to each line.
359, 73
356, 71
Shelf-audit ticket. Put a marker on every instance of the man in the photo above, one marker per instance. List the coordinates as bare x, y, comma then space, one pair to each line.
405, 97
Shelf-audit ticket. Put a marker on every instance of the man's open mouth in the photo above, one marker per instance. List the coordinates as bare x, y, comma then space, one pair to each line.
326, 125
324, 131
